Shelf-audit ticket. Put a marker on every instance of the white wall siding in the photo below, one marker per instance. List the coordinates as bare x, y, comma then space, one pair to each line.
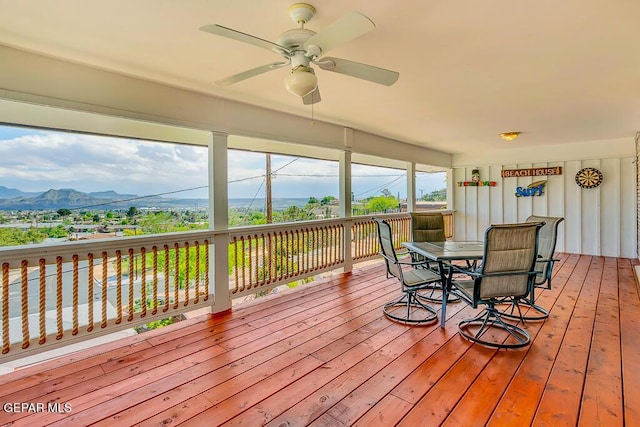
628, 209
598, 221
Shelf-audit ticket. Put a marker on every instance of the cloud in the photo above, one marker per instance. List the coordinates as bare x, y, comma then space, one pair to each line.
35, 160
41, 160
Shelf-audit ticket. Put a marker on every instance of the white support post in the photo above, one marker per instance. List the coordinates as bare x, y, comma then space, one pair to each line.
345, 196
411, 187
451, 198
218, 220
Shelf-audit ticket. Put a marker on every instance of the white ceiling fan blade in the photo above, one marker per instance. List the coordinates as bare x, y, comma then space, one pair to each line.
219, 30
361, 71
312, 97
250, 73
346, 28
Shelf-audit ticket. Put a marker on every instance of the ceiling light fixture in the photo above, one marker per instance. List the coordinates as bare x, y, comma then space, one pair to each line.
301, 81
509, 136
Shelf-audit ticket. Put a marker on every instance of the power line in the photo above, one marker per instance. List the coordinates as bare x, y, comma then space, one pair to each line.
380, 186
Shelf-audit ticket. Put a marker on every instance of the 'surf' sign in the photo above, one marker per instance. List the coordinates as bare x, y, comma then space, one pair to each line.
534, 189
509, 173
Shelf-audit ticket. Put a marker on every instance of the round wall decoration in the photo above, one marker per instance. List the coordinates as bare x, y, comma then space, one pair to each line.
589, 177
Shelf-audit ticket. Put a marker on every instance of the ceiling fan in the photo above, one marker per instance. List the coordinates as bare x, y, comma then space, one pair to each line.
302, 47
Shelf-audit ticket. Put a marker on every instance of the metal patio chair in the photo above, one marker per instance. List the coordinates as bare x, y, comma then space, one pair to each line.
429, 227
408, 308
544, 266
507, 270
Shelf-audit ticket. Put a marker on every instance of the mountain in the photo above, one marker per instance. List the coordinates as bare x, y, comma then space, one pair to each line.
103, 200
111, 195
10, 193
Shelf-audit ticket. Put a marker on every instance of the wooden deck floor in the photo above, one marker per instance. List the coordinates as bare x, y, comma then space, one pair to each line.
324, 355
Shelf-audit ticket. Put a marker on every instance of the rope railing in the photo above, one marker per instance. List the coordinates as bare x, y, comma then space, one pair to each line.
69, 294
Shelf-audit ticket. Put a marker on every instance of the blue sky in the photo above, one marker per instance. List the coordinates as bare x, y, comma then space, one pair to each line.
35, 160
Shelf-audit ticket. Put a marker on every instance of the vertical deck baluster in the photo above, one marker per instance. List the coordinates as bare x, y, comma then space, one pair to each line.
131, 274
42, 306
305, 249
197, 273
264, 260
24, 292
341, 243
235, 265
6, 343
270, 257
279, 251
325, 246
338, 243
311, 250
119, 286
75, 259
187, 279
299, 263
103, 294
250, 272
243, 275
167, 278
143, 281
176, 276
289, 254
206, 276
355, 235
155, 279
90, 293
334, 244
59, 297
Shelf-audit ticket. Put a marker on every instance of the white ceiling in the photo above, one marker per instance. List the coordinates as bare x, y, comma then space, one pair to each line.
558, 71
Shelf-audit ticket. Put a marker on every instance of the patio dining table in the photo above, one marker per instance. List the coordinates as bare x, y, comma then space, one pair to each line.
445, 253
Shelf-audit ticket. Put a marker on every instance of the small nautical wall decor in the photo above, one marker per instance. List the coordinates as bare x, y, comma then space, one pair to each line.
517, 173
475, 181
533, 189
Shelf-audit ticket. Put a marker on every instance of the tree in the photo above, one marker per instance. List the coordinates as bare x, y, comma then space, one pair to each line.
16, 237
327, 199
382, 203
436, 196
132, 212
294, 213
63, 212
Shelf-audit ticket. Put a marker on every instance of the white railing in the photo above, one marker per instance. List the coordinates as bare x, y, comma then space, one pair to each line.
55, 294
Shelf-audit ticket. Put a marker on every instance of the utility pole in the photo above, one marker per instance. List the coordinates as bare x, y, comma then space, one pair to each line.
268, 189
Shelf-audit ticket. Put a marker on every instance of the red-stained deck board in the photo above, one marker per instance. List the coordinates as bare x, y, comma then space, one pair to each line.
324, 355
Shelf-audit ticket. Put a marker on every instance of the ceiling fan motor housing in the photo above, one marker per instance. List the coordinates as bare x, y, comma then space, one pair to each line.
295, 38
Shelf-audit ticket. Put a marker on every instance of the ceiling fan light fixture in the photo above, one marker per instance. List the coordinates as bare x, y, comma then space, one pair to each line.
509, 136
301, 81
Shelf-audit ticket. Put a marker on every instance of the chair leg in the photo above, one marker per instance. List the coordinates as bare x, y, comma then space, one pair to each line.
539, 313
410, 310
473, 330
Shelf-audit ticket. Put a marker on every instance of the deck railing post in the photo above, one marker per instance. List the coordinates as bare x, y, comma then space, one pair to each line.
411, 186
345, 196
219, 220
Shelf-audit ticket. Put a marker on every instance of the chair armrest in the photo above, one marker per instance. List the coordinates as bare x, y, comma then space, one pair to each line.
507, 273
412, 263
